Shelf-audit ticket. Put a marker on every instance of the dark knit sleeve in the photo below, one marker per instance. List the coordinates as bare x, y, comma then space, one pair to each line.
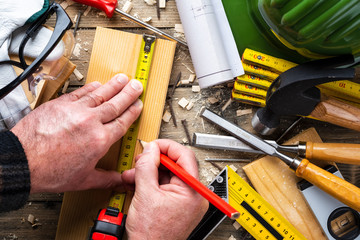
14, 173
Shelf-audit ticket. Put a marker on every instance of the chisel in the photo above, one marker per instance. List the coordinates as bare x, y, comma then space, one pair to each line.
333, 152
109, 7
329, 183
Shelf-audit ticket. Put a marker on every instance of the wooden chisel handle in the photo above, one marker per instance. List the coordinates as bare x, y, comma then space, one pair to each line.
337, 112
334, 152
333, 185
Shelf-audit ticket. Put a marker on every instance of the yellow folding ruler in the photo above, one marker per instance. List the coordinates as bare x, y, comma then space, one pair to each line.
128, 142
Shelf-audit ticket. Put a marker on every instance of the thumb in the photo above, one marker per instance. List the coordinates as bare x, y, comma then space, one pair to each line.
147, 173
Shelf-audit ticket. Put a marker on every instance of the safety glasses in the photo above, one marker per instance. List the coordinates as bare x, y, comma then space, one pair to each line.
33, 69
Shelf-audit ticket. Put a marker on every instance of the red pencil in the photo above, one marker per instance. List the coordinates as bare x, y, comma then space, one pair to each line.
214, 199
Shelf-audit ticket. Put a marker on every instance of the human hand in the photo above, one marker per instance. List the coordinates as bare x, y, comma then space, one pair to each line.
64, 138
163, 206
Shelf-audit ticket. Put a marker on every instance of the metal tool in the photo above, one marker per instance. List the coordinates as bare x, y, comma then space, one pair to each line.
109, 7
294, 93
333, 185
128, 142
333, 152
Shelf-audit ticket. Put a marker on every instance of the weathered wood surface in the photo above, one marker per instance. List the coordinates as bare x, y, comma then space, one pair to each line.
46, 207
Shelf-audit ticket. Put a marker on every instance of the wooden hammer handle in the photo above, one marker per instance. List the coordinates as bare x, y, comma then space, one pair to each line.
337, 112
333, 185
334, 152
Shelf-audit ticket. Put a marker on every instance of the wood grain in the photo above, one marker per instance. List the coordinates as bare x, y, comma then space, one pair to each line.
337, 112
274, 180
336, 152
117, 52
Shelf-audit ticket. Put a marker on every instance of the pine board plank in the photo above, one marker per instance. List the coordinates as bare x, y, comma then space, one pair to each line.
274, 180
115, 52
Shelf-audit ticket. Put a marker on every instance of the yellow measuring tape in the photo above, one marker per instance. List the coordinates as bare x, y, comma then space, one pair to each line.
129, 140
257, 216
268, 67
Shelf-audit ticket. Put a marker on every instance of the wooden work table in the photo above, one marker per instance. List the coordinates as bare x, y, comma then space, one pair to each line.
46, 207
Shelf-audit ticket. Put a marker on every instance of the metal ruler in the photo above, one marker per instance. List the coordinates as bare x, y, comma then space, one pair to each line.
128, 142
257, 216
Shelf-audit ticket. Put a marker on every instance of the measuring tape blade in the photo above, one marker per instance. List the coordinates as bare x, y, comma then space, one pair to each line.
268, 67
128, 142
257, 216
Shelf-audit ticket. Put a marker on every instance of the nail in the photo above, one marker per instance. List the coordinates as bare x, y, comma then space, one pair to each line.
149, 147
122, 78
138, 103
136, 85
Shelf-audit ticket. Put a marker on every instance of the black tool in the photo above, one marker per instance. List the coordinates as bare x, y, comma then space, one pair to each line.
294, 92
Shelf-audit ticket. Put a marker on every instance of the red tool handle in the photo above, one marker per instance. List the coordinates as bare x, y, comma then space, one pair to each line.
199, 187
107, 6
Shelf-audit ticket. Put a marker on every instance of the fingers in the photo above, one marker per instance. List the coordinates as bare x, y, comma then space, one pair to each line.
106, 91
147, 173
119, 126
114, 107
81, 92
180, 154
102, 179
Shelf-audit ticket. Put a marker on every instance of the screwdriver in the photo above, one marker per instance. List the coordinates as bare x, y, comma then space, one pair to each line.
340, 189
333, 152
110, 6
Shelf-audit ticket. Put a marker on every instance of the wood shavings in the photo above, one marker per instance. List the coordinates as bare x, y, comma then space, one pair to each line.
192, 78
232, 238
148, 19
66, 4
236, 225
233, 168
227, 104
185, 141
76, 51
86, 12
188, 68
242, 112
195, 88
127, 6
183, 102
183, 82
78, 75
150, 2
31, 219
213, 100
66, 85
167, 116
190, 105
179, 28
162, 3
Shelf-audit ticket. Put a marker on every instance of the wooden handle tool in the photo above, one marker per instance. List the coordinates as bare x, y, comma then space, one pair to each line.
334, 152
337, 112
333, 185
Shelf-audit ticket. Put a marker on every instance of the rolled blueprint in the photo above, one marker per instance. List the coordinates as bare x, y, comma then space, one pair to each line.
211, 43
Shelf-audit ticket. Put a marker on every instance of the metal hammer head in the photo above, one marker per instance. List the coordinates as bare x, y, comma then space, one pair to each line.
294, 92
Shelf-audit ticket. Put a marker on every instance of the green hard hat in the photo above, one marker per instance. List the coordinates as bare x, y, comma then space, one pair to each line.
297, 30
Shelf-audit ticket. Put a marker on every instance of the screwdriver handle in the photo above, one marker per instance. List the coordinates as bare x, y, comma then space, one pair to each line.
329, 183
334, 152
107, 6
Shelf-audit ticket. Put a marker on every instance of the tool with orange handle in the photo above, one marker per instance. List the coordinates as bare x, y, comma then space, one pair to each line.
329, 183
332, 152
110, 6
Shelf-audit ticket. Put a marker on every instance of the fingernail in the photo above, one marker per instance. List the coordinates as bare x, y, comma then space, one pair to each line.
135, 84
149, 147
138, 103
96, 84
122, 78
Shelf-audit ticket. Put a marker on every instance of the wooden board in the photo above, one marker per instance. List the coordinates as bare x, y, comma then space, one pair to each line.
274, 180
117, 52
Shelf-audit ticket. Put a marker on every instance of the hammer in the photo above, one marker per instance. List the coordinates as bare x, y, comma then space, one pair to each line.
294, 92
